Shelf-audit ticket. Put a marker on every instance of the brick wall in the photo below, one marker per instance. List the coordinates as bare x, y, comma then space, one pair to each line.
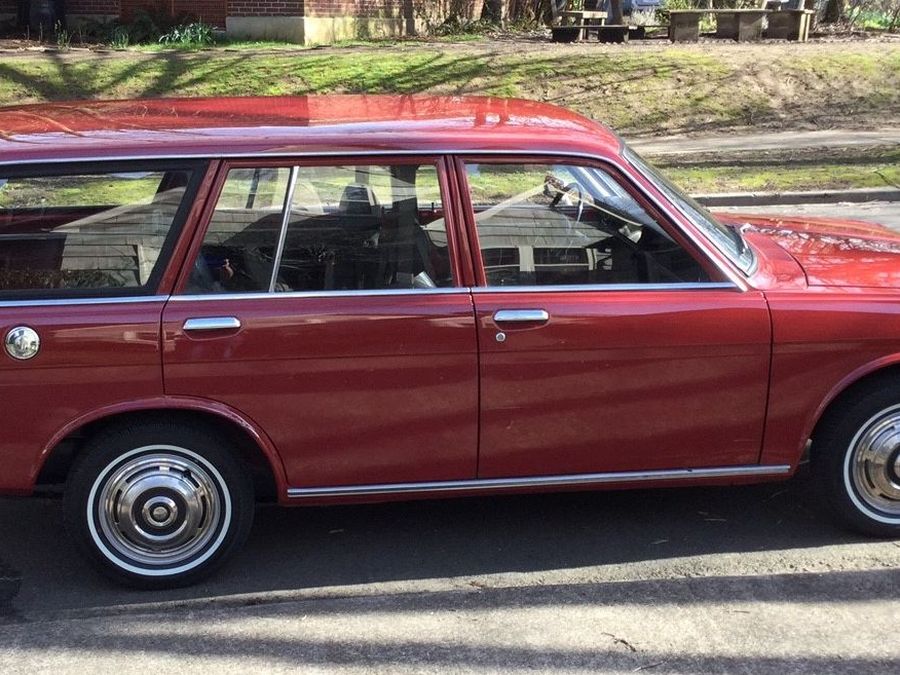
104, 7
265, 7
210, 11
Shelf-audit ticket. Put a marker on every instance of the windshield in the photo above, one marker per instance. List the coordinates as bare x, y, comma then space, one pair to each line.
726, 239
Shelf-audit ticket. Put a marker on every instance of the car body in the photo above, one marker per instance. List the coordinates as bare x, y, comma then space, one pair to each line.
465, 296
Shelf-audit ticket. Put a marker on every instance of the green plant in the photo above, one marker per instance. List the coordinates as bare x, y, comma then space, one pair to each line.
119, 37
195, 34
63, 36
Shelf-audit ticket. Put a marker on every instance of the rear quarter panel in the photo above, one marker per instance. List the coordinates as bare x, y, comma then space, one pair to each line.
91, 356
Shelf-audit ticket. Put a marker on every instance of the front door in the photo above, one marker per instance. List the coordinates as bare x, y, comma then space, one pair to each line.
605, 344
324, 304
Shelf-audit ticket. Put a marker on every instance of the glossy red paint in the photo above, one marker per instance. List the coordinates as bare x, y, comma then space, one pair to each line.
344, 390
835, 253
349, 395
622, 381
92, 357
290, 125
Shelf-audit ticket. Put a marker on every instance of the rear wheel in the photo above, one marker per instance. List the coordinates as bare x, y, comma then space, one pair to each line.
158, 505
856, 459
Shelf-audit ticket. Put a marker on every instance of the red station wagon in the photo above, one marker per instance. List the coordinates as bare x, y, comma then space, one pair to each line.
316, 300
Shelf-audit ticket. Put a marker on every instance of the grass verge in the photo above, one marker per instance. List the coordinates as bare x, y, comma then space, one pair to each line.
860, 168
637, 91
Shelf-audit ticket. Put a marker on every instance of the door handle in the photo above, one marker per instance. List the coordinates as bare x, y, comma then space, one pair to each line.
521, 316
211, 323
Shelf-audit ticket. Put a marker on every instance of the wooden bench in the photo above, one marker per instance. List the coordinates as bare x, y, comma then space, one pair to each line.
579, 23
790, 24
734, 24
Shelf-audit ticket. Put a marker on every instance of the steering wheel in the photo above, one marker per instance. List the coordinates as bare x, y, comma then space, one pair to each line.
571, 187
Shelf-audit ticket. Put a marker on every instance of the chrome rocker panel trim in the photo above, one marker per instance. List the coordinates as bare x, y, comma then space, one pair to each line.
585, 479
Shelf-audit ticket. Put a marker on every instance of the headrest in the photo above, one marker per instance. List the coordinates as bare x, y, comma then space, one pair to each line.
359, 200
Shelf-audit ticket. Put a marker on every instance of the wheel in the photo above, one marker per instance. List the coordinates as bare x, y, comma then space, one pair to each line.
856, 460
158, 505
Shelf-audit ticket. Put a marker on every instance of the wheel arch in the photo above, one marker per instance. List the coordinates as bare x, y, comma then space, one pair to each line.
257, 450
867, 376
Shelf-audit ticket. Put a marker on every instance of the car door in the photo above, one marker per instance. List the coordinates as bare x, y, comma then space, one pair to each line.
607, 342
323, 301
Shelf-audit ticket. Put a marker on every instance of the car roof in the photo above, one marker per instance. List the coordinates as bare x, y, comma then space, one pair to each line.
299, 124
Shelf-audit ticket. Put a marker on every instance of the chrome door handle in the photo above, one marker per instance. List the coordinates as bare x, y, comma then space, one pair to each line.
521, 316
212, 323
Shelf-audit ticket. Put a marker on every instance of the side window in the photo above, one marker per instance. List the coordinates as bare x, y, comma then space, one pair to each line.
347, 227
556, 224
89, 232
238, 252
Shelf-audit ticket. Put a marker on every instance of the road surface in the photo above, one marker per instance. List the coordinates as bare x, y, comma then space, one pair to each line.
885, 213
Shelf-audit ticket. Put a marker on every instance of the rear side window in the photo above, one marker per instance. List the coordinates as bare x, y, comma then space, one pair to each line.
90, 232
325, 228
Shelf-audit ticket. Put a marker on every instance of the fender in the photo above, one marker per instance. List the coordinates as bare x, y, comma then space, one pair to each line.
173, 403
839, 388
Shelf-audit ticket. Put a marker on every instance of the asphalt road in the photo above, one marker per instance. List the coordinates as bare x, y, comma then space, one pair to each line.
747, 579
884, 213
768, 140
733, 580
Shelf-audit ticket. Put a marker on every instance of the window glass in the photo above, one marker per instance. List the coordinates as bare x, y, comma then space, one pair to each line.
555, 224
726, 239
88, 233
238, 251
349, 228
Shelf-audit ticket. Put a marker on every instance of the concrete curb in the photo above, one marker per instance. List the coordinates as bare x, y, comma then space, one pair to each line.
889, 194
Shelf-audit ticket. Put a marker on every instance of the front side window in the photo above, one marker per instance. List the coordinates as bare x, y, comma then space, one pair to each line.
726, 239
88, 232
558, 224
325, 228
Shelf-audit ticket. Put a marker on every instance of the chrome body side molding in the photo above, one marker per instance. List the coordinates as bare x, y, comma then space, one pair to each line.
584, 479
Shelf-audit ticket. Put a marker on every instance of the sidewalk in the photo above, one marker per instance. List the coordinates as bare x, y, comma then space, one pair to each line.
779, 140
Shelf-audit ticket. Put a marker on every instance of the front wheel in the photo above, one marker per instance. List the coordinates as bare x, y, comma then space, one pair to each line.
856, 458
157, 505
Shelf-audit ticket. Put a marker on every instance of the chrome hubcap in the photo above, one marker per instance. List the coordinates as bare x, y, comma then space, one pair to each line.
874, 464
159, 509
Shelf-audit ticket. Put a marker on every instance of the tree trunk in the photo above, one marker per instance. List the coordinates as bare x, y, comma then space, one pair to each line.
834, 11
493, 11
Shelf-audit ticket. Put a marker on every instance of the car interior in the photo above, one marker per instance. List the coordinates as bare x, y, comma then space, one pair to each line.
340, 236
571, 226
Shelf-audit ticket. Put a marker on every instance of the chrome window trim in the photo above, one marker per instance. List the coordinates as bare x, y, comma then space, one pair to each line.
539, 481
58, 302
456, 290
705, 247
285, 221
687, 286
262, 295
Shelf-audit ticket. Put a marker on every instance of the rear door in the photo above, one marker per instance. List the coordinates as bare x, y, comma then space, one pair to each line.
83, 251
607, 343
324, 301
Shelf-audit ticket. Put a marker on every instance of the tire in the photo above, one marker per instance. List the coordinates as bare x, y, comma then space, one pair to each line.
157, 505
856, 460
